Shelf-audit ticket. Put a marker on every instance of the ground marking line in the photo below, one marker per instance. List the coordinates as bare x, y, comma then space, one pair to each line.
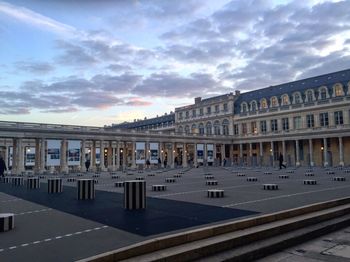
285, 196
49, 239
34, 211
10, 200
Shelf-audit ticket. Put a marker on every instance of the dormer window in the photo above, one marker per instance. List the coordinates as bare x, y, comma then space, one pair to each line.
274, 101
263, 103
297, 98
253, 106
323, 93
338, 90
244, 107
309, 96
285, 100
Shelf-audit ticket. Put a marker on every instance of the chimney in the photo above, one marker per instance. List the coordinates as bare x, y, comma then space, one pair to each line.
237, 92
197, 100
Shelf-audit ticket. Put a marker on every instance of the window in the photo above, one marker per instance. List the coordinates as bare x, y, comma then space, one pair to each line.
244, 108
263, 126
194, 129
216, 128
254, 128
323, 93
338, 118
225, 107
274, 126
180, 130
244, 128
209, 128
324, 119
187, 114
297, 122
180, 115
201, 111
225, 125
285, 100
253, 106
201, 129
194, 111
263, 103
274, 101
285, 124
310, 122
217, 109
310, 96
187, 129
235, 129
208, 110
297, 98
338, 90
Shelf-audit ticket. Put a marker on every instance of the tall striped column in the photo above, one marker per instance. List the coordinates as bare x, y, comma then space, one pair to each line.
134, 194
86, 189
54, 185
7, 222
33, 183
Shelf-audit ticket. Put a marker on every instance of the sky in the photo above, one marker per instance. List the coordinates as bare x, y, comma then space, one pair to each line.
98, 62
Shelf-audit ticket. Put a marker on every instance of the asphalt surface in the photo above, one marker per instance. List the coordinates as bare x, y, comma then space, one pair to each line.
58, 227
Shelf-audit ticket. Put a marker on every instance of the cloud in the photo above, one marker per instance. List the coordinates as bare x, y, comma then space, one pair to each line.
74, 55
118, 67
35, 67
137, 102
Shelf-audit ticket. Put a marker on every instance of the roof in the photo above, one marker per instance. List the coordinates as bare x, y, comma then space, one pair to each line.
291, 87
146, 122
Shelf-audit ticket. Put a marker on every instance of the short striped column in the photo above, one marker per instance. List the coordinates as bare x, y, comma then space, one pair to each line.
267, 173
178, 175
330, 172
215, 193
347, 171
139, 171
270, 187
33, 183
310, 182
96, 175
115, 176
80, 174
134, 194
7, 221
7, 180
211, 183
240, 174
151, 174
71, 179
339, 178
170, 180
119, 184
309, 170
139, 178
17, 181
290, 171
86, 189
181, 172
209, 177
158, 187
309, 174
283, 176
252, 179
54, 185
95, 181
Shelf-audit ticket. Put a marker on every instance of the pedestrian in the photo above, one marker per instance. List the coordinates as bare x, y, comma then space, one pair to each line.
281, 161
224, 161
87, 164
165, 162
2, 166
148, 163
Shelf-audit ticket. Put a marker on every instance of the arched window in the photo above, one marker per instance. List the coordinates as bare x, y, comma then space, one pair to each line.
187, 129
216, 128
274, 101
208, 127
323, 93
263, 103
244, 107
338, 90
297, 98
225, 129
253, 106
180, 129
285, 100
194, 129
201, 129
309, 95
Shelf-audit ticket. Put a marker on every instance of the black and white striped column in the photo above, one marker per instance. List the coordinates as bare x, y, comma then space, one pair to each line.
134, 194
86, 189
158, 187
33, 182
17, 181
215, 193
54, 185
7, 221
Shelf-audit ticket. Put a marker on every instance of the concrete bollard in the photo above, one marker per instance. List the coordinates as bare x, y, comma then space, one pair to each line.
7, 221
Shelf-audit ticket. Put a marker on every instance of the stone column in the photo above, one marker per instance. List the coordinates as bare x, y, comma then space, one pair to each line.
184, 155
93, 156
261, 153
173, 148
20, 167
162, 153
297, 162
214, 154
125, 151
341, 152
223, 156
102, 156
110, 155
37, 156
271, 155
42, 155
251, 154
14, 156
205, 155
133, 161
114, 155
311, 152
64, 166
284, 151
82, 150
325, 156
117, 161
6, 156
241, 154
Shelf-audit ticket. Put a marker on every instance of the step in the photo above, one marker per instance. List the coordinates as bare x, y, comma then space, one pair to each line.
209, 246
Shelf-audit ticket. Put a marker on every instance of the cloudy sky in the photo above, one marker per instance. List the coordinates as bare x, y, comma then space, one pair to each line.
97, 62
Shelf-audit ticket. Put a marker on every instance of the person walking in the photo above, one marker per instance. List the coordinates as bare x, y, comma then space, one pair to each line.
87, 164
2, 167
281, 161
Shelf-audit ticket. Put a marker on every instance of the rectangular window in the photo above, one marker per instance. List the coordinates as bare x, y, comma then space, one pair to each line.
285, 124
297, 122
274, 126
208, 110
324, 119
201, 111
217, 109
338, 118
244, 128
310, 122
235, 129
254, 128
194, 112
187, 114
263, 126
180, 115
225, 108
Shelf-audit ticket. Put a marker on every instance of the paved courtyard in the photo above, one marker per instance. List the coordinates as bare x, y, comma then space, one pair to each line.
58, 227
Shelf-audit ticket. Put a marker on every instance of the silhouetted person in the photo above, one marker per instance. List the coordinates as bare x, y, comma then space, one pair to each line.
87, 165
281, 161
2, 167
165, 162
